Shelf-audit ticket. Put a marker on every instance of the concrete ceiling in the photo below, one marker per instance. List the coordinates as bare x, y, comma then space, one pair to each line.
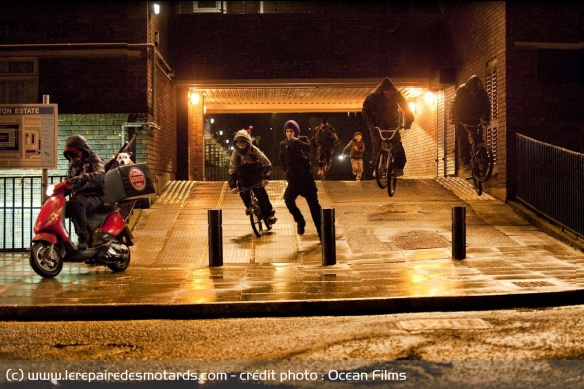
267, 96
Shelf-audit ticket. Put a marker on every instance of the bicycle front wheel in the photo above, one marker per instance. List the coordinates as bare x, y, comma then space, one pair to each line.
391, 177
382, 168
256, 223
484, 161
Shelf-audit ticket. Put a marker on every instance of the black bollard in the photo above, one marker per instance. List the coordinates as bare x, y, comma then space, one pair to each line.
458, 232
327, 232
215, 237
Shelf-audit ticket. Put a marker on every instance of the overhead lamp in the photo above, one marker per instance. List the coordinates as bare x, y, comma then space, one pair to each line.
194, 97
430, 97
156, 8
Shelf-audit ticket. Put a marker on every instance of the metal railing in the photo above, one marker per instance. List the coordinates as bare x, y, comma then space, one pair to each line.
20, 201
550, 181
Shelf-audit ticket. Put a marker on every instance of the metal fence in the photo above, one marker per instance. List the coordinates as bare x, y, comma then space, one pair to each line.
550, 180
20, 200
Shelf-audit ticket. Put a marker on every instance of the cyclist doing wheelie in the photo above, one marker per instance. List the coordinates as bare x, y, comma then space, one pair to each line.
471, 106
249, 166
381, 109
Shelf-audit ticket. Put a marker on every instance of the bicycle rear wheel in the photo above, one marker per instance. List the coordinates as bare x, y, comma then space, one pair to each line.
484, 160
477, 183
381, 168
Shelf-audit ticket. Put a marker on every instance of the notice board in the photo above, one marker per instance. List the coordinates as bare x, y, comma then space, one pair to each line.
28, 136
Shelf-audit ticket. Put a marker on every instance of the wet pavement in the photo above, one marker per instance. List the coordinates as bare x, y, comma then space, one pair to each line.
392, 255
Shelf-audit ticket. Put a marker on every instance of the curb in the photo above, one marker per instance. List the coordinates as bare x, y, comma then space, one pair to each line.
373, 306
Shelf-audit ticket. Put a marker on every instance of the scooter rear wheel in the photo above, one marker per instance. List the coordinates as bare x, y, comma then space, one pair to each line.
122, 260
44, 261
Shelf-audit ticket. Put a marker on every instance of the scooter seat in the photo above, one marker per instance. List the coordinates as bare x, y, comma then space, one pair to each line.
105, 209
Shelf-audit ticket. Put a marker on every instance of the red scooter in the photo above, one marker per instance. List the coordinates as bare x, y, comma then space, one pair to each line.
108, 245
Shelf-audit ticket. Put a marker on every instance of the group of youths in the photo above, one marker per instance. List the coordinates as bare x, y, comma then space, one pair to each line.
249, 166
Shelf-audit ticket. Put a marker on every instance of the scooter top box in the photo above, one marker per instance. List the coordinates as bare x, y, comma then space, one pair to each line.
128, 182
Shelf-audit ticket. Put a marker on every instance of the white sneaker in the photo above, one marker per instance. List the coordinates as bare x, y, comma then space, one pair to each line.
399, 172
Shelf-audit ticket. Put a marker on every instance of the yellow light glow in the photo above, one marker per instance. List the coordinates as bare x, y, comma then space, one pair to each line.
194, 97
412, 93
412, 106
430, 97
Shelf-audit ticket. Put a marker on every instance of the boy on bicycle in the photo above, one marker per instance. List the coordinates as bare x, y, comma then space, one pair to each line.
471, 105
249, 166
325, 139
380, 109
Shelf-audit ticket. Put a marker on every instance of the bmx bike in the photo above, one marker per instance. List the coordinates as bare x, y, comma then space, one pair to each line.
256, 217
385, 162
481, 157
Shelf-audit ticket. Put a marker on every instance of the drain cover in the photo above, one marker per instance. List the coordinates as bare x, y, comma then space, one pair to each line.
420, 240
443, 324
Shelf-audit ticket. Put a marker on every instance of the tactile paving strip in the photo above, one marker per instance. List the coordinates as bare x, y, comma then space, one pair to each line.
462, 188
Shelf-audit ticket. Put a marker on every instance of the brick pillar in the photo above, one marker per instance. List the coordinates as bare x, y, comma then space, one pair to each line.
196, 141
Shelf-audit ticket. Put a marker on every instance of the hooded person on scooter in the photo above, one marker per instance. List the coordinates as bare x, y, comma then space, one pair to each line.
86, 173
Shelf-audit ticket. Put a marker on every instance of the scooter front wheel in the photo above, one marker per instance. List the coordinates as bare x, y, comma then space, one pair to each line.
44, 261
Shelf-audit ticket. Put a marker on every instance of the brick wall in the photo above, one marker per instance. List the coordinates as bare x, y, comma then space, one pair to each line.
275, 46
420, 141
478, 36
103, 133
162, 142
98, 62
196, 142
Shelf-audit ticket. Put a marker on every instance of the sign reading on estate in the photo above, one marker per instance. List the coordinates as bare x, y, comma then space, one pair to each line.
28, 136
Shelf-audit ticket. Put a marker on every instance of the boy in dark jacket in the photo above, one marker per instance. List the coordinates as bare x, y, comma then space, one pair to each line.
325, 139
86, 172
380, 109
295, 159
249, 166
471, 106
356, 149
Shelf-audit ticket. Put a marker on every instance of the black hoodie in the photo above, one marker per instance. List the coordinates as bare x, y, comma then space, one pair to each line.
378, 111
93, 171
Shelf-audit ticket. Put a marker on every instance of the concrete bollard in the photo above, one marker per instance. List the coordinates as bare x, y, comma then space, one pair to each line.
459, 232
215, 237
327, 233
